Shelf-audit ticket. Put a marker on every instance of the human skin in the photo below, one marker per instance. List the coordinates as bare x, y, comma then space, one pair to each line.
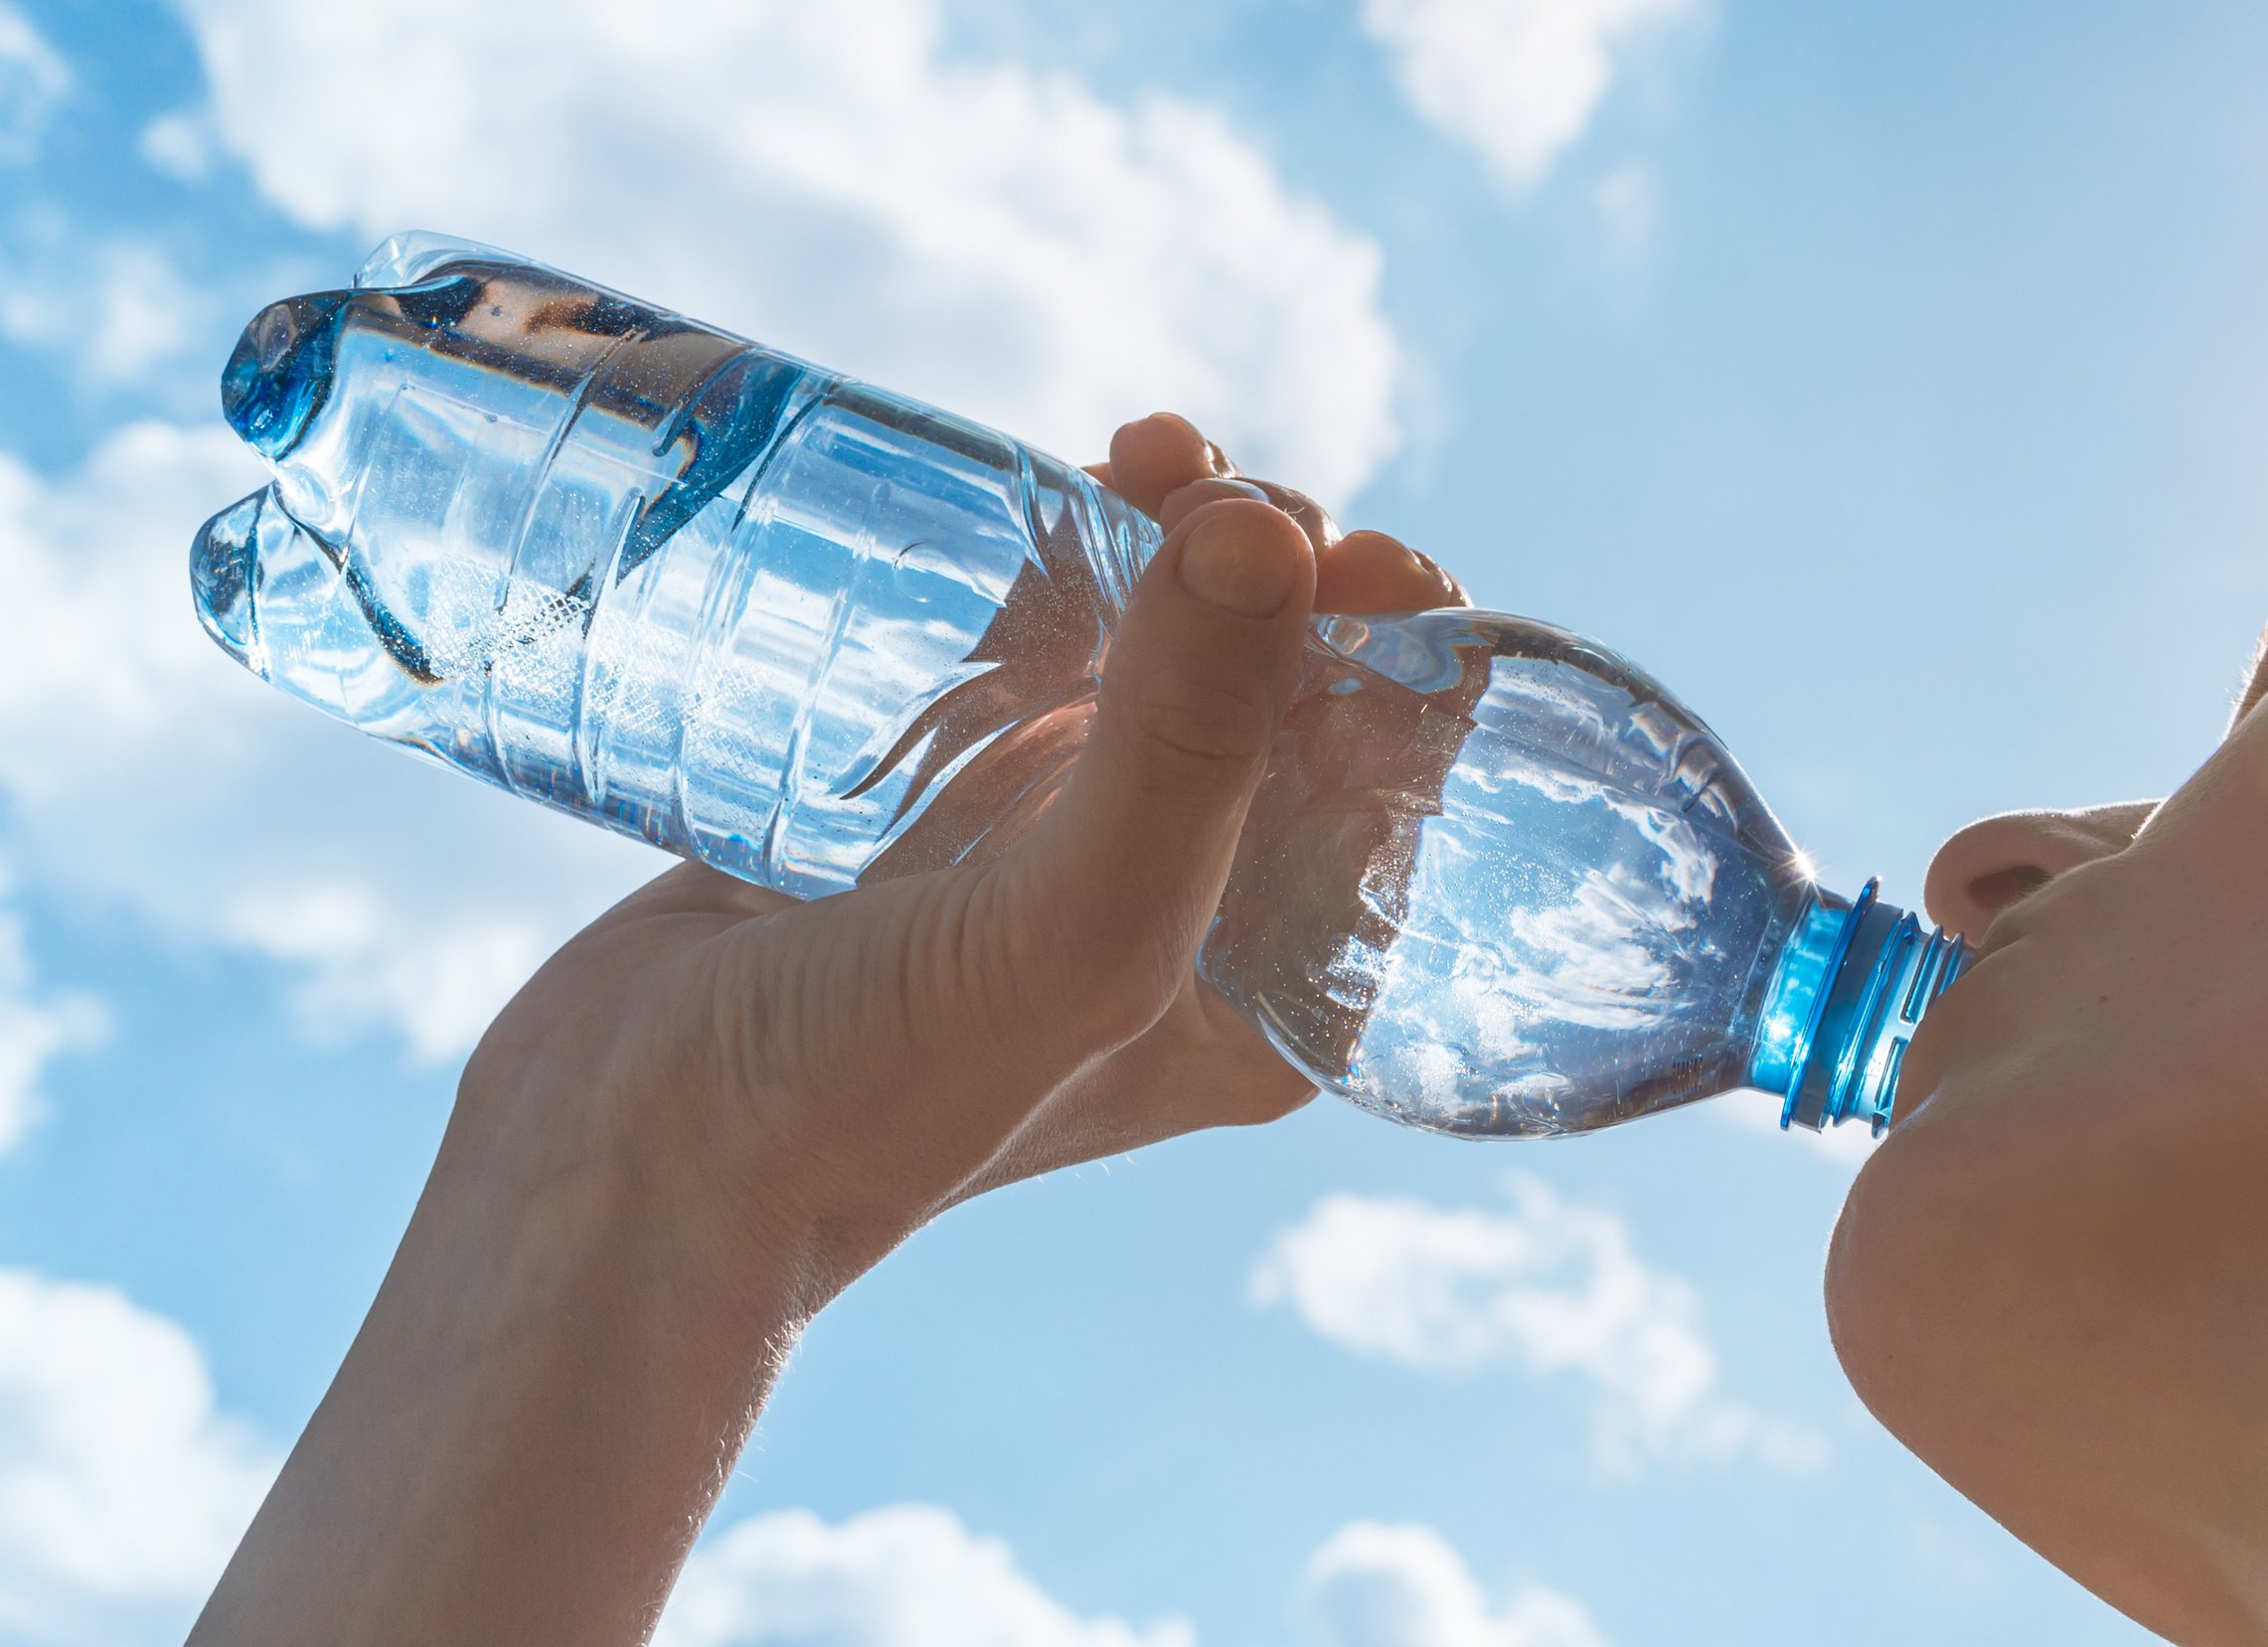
717, 1107
2048, 1280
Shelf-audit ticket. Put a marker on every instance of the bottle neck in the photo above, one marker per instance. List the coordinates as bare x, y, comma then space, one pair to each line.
1854, 982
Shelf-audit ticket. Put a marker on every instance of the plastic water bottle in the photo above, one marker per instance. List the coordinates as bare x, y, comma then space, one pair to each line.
1496, 881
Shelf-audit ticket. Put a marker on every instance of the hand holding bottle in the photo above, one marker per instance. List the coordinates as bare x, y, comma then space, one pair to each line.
933, 1036
717, 1105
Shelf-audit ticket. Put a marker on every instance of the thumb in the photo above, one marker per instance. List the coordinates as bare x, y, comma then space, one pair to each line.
1118, 881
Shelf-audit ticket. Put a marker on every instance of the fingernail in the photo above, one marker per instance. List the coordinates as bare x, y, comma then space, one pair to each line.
1236, 569
1454, 590
1219, 461
1225, 488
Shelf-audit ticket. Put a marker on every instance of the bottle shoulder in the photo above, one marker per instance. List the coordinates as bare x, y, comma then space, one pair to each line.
1544, 700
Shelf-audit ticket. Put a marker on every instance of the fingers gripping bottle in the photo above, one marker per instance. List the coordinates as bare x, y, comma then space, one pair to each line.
1496, 881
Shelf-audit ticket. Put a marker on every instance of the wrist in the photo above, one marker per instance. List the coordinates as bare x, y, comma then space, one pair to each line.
579, 1191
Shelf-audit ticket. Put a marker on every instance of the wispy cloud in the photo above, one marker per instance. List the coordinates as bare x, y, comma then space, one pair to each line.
143, 768
910, 1576
37, 1026
1519, 79
122, 1489
1628, 202
180, 146
1002, 241
116, 307
1377, 1586
33, 80
1546, 1287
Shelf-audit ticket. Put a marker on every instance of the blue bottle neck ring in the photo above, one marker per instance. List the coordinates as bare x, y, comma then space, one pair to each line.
1853, 985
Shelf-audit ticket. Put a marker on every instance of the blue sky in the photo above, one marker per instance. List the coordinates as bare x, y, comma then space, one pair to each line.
1891, 380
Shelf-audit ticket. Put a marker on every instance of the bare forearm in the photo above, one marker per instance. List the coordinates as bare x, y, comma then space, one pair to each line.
530, 1428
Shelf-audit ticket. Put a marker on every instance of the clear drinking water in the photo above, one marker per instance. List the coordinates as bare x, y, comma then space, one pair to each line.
1496, 881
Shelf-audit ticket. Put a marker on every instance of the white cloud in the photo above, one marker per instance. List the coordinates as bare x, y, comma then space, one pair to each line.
35, 1027
1519, 79
1548, 1287
121, 1489
906, 1576
912, 1575
143, 768
997, 240
33, 80
1376, 1586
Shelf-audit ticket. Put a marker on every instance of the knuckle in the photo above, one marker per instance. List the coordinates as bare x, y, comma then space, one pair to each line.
1202, 726
1311, 516
1110, 991
1264, 1101
1128, 992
